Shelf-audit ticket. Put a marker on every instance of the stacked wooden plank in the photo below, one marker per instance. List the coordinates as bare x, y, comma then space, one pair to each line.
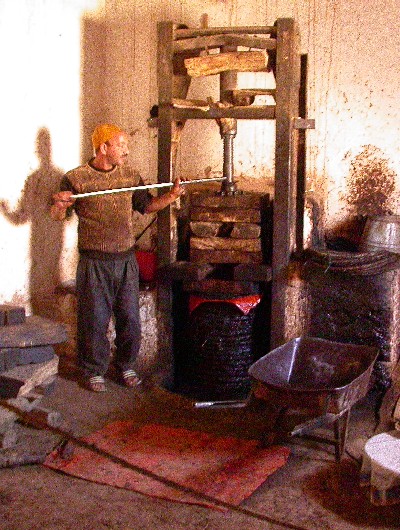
28, 367
226, 228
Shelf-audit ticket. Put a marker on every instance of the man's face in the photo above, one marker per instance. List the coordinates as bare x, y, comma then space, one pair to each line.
117, 149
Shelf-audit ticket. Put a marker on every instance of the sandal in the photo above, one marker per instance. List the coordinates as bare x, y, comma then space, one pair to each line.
96, 383
130, 378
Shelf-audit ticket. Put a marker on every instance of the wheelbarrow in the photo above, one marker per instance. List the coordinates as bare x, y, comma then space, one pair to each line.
323, 378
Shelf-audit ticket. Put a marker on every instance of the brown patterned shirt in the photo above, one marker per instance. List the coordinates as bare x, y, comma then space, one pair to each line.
106, 222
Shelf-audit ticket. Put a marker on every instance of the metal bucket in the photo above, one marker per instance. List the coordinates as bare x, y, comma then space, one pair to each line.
381, 233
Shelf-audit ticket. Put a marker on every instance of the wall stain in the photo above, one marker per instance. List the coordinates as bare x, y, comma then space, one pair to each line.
370, 191
371, 183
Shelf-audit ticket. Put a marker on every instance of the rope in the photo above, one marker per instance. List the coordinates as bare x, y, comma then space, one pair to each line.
356, 263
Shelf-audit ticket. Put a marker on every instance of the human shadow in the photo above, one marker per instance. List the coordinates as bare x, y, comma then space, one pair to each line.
46, 238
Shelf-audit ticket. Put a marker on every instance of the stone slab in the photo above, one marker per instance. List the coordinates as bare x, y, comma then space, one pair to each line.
11, 314
11, 357
35, 331
21, 380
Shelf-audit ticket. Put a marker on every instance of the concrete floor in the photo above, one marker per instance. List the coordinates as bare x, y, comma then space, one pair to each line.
310, 492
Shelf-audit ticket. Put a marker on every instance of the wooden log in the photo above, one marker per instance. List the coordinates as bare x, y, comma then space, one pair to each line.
226, 215
229, 229
11, 314
190, 104
35, 331
252, 61
225, 243
225, 256
240, 93
21, 380
204, 229
246, 231
209, 200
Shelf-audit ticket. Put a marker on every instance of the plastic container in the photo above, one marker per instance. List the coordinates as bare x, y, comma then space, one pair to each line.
147, 262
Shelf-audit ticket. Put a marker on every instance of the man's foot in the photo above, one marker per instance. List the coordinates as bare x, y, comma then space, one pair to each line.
130, 378
96, 383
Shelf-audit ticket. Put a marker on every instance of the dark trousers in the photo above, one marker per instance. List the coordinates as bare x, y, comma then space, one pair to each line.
107, 287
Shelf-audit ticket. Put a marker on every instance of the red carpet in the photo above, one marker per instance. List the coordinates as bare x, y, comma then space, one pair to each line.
226, 469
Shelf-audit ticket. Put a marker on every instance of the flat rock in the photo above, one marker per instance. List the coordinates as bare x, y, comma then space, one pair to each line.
10, 314
35, 331
11, 357
21, 380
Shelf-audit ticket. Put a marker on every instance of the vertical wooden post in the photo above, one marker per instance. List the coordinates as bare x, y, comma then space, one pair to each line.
165, 126
227, 80
164, 217
284, 218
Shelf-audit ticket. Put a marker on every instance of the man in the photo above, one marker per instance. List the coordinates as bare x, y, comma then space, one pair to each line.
107, 278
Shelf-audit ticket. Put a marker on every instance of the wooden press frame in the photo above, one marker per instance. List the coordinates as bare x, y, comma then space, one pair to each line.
288, 199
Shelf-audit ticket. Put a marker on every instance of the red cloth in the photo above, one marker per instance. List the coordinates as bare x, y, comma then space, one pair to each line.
244, 303
226, 469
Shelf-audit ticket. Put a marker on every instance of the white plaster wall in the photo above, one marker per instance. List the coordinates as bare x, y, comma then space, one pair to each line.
69, 64
39, 135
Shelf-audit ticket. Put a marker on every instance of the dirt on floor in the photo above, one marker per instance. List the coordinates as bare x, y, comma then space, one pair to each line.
310, 492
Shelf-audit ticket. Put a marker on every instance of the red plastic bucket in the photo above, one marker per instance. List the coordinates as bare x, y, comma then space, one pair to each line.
147, 262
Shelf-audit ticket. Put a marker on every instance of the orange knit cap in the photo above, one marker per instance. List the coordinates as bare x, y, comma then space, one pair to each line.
103, 133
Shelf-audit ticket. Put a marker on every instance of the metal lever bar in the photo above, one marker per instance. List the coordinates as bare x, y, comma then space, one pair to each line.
145, 187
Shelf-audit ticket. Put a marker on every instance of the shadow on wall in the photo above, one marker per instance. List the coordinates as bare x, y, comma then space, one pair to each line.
46, 235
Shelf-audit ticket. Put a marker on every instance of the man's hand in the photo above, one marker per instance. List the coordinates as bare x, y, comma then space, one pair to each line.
61, 201
158, 203
177, 190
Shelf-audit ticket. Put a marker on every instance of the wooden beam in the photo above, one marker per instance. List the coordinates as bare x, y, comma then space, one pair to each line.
252, 272
221, 287
225, 256
226, 215
181, 270
200, 32
211, 42
225, 243
166, 33
252, 112
284, 217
